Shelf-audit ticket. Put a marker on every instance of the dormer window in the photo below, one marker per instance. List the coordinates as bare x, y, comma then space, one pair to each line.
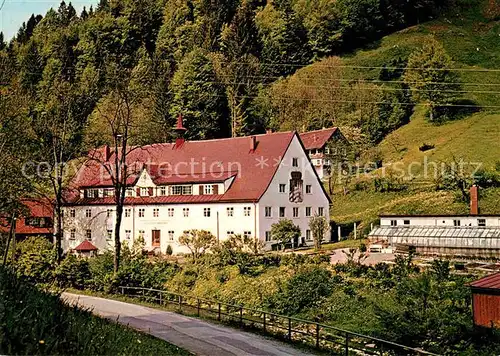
208, 190
144, 192
163, 191
130, 192
92, 193
181, 190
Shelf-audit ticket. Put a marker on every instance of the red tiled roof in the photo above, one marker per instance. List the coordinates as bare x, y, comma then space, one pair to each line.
85, 246
34, 209
489, 282
200, 161
317, 139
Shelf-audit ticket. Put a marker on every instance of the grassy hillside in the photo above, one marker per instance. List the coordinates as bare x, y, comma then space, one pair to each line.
472, 38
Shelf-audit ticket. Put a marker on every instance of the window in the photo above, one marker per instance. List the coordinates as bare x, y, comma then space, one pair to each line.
130, 192
72, 234
208, 189
88, 235
156, 213
295, 212
170, 212
142, 212
72, 213
308, 235
282, 212
181, 190
282, 188
109, 212
171, 235
206, 212
185, 212
88, 213
106, 193
128, 212
295, 162
229, 233
247, 211
247, 234
268, 236
92, 193
308, 189
230, 211
163, 191
308, 211
143, 192
268, 212
406, 222
481, 222
109, 235
394, 223
128, 234
456, 222
321, 211
142, 234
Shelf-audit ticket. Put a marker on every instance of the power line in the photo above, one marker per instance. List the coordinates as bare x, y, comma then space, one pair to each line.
1, 6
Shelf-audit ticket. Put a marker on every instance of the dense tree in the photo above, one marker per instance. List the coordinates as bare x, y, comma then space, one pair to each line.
198, 242
199, 97
319, 230
285, 232
430, 79
2, 41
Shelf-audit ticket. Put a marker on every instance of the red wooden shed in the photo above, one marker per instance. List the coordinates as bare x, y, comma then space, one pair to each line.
486, 301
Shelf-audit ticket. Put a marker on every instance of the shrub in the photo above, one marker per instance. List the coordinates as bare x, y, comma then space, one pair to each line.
73, 272
169, 250
35, 260
306, 289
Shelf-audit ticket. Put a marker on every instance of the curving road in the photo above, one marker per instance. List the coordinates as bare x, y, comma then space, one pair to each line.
194, 335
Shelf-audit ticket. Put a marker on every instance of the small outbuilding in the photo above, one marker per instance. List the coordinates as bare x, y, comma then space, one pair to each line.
85, 249
486, 301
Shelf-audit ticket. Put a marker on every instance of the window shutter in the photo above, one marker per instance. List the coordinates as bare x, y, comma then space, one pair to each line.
201, 190
138, 191
150, 191
216, 189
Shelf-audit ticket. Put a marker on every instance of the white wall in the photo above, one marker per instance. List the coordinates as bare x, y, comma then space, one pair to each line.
273, 198
440, 221
219, 223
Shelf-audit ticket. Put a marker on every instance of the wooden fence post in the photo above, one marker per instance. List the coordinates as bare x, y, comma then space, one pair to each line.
180, 303
264, 322
198, 306
161, 302
289, 329
241, 316
218, 315
347, 344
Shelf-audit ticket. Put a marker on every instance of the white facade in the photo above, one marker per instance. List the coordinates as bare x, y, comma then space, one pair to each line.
169, 221
451, 221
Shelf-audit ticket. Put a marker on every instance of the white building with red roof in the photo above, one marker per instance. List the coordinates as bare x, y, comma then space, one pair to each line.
226, 186
317, 144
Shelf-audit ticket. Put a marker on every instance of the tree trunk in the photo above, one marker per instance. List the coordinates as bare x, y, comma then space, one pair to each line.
118, 244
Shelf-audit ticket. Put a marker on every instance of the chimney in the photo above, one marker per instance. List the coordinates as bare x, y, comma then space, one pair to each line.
253, 143
180, 130
107, 153
474, 200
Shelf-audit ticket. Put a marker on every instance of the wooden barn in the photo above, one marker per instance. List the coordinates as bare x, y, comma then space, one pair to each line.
486, 301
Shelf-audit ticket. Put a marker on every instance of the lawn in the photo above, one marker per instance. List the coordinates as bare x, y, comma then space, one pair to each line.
33, 322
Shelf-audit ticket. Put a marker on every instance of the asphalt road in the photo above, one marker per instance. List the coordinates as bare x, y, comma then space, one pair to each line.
194, 335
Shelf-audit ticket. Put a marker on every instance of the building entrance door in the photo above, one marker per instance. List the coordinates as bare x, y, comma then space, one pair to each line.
156, 235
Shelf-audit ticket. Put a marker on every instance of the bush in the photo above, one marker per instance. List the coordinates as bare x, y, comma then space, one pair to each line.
35, 260
73, 272
306, 289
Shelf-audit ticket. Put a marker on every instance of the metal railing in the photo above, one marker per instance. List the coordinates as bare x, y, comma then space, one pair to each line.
320, 336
